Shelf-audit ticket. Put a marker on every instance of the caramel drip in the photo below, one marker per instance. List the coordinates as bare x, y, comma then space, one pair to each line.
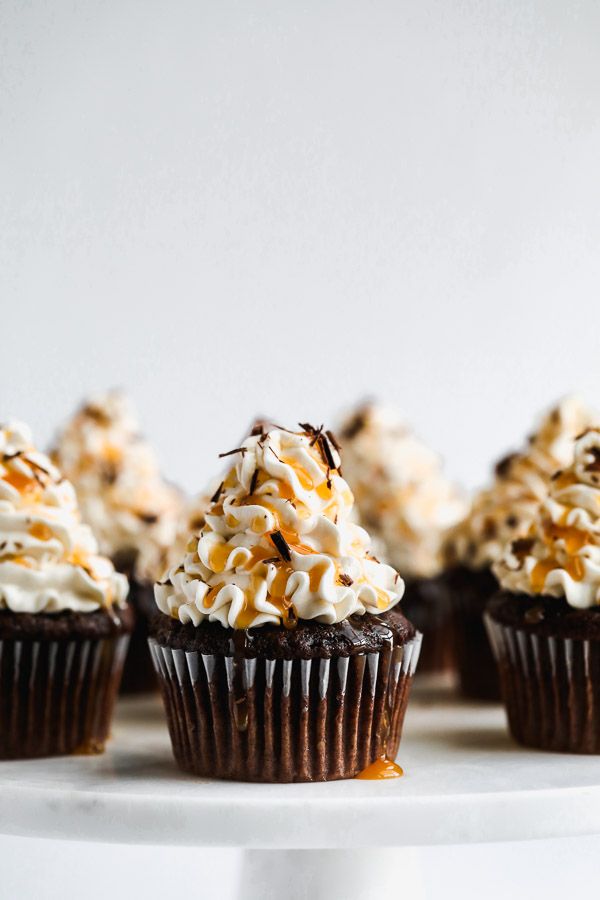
574, 567
257, 554
25, 484
383, 601
381, 768
208, 600
112, 453
218, 557
574, 539
20, 561
539, 573
293, 541
301, 474
41, 531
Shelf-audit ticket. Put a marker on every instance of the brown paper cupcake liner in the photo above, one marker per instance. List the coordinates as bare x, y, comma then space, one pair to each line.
550, 687
57, 697
470, 592
427, 604
138, 672
279, 720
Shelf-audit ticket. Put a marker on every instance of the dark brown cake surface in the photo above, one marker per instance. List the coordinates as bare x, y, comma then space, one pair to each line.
65, 625
543, 615
308, 640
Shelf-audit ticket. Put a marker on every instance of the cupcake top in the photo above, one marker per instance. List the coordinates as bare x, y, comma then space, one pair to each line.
278, 544
49, 560
155, 560
402, 494
560, 556
130, 507
505, 510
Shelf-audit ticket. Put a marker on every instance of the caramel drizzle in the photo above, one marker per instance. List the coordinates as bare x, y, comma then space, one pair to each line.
283, 539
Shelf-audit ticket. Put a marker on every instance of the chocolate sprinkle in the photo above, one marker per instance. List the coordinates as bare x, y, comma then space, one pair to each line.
333, 440
281, 545
326, 453
217, 493
242, 450
254, 481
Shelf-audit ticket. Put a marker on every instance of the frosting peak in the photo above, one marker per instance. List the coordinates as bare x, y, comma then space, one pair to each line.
278, 543
131, 508
49, 560
402, 494
560, 556
505, 510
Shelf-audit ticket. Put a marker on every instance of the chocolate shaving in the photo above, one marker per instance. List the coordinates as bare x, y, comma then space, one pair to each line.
96, 414
333, 440
354, 426
242, 450
307, 427
6, 457
36, 465
148, 518
345, 579
275, 455
522, 546
281, 545
254, 481
594, 466
556, 475
109, 473
503, 466
326, 453
316, 436
217, 493
271, 559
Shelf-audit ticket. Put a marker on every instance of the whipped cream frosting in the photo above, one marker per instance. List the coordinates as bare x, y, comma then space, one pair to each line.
132, 510
279, 544
155, 560
49, 560
401, 492
504, 510
560, 556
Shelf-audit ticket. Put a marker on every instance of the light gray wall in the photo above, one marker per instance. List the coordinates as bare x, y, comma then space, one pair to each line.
242, 207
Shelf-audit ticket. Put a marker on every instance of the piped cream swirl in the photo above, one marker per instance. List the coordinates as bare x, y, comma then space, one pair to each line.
49, 560
132, 510
401, 492
278, 544
560, 556
504, 511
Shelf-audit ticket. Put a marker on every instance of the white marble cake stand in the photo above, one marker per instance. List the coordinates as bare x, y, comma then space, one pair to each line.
464, 782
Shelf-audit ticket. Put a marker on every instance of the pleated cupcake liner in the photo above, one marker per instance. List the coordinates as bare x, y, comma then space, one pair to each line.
278, 720
550, 687
57, 697
138, 672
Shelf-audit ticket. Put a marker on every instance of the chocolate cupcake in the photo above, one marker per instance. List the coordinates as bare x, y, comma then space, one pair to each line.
499, 514
406, 502
64, 621
133, 512
280, 651
544, 624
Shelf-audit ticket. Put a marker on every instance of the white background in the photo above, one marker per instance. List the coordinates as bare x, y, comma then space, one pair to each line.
278, 207
234, 208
